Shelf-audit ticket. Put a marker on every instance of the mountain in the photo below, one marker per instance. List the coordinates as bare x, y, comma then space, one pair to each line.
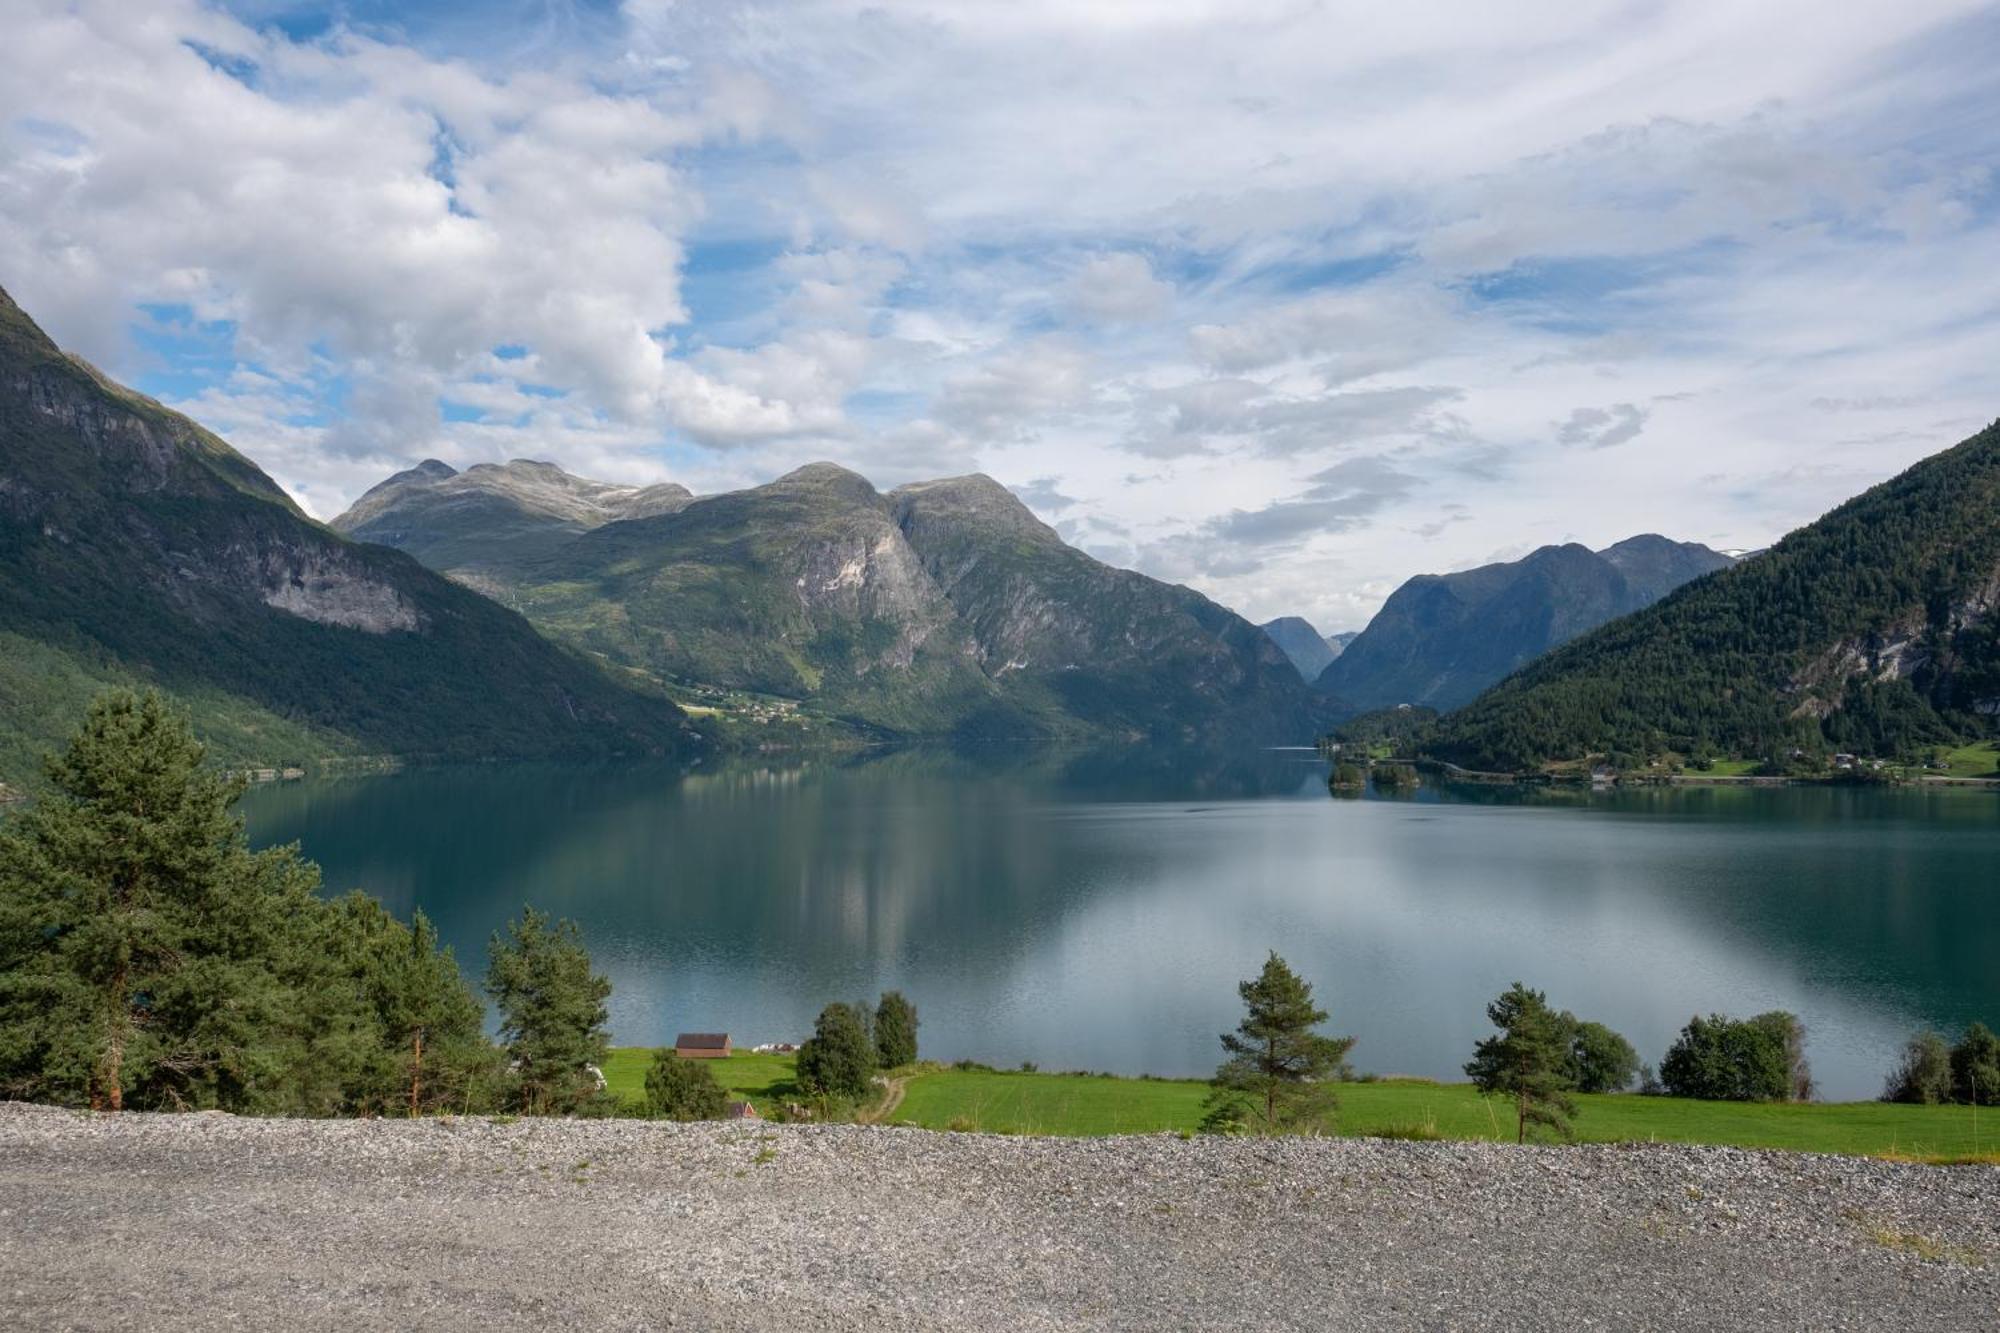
489, 520
943, 607
138, 548
1068, 637
1338, 642
1871, 630
1442, 638
1309, 650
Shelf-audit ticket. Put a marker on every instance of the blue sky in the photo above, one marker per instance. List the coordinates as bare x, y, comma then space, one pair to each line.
1287, 301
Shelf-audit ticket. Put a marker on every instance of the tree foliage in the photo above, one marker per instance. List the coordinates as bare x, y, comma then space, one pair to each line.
1599, 1059
1757, 1059
1975, 1067
1280, 1072
552, 1013
149, 959
1530, 1060
895, 1031
1923, 1076
838, 1060
678, 1089
1758, 660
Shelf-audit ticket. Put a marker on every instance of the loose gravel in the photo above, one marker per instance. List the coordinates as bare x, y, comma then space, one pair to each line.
201, 1221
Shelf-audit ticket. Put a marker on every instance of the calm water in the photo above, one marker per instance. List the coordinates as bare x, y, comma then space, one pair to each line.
1096, 911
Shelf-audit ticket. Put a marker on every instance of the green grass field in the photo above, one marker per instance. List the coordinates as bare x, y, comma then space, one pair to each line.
1974, 761
1085, 1104
1728, 768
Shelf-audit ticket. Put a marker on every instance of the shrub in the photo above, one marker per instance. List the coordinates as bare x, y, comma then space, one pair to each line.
1600, 1060
1759, 1059
1975, 1067
1924, 1076
678, 1089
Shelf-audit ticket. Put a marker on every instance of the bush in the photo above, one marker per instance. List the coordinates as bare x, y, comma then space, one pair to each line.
1601, 1060
1759, 1059
1975, 1067
678, 1089
1924, 1076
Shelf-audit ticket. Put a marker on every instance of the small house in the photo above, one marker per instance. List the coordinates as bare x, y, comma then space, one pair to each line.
702, 1045
741, 1111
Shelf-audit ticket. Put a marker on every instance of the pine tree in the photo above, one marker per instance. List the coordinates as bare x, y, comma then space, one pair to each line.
1529, 1060
839, 1058
133, 922
1280, 1072
895, 1031
552, 1013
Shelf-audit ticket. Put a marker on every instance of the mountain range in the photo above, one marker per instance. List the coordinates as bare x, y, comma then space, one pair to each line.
941, 607
137, 548
1441, 639
1308, 649
1872, 630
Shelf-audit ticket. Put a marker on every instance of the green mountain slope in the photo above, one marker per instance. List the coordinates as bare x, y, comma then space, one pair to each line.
1441, 639
1871, 630
1308, 650
941, 608
1067, 636
136, 547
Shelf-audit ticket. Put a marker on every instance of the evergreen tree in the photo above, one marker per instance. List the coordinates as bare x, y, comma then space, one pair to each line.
678, 1089
895, 1031
839, 1058
552, 1013
136, 927
1280, 1072
1529, 1060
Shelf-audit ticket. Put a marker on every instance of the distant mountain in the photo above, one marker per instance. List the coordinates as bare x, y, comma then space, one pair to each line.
1440, 639
942, 607
1338, 642
1873, 630
493, 518
1309, 650
138, 548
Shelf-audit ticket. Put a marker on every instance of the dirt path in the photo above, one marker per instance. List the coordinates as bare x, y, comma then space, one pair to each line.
892, 1097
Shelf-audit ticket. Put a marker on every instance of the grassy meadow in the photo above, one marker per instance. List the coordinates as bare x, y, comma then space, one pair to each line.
941, 1097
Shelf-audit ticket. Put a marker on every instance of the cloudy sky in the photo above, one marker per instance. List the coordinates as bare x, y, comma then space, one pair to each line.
1287, 301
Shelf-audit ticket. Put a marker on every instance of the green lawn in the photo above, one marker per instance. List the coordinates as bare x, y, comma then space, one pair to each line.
764, 1080
1728, 768
1085, 1104
1974, 761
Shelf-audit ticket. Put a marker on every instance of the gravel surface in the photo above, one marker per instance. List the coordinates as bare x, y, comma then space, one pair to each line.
208, 1220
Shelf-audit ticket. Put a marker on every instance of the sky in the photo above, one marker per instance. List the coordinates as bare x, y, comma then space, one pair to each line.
1285, 301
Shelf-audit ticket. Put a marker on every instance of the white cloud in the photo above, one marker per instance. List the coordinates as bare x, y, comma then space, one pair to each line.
1168, 268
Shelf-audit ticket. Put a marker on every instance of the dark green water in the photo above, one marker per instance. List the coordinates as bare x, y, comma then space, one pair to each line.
1096, 911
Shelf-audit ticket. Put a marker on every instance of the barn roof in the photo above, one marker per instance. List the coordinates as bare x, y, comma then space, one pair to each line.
702, 1041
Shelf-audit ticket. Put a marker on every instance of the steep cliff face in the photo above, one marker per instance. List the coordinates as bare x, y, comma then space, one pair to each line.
143, 548
1441, 639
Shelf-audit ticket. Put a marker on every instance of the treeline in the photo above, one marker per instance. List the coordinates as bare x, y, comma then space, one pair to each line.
1282, 1073
1741, 662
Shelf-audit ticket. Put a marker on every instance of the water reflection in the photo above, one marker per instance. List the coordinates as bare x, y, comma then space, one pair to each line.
1095, 909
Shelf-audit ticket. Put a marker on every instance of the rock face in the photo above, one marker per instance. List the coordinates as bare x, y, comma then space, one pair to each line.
941, 607
1441, 639
1306, 648
142, 547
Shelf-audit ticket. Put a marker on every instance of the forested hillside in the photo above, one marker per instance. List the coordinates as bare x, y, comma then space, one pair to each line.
138, 548
1871, 630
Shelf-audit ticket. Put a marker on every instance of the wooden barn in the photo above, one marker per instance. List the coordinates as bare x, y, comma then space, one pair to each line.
702, 1045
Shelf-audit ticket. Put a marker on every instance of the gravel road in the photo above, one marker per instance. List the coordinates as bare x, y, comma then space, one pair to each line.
206, 1220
